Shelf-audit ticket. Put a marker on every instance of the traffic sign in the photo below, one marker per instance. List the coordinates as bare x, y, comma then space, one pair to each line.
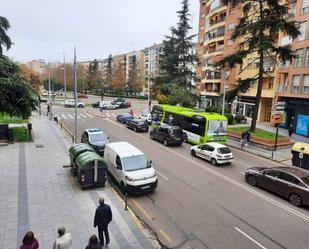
278, 112
278, 118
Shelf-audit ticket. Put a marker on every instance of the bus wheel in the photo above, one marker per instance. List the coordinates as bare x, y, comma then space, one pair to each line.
193, 153
214, 162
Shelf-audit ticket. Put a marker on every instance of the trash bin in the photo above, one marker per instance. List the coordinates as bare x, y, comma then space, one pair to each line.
91, 170
10, 135
75, 151
300, 152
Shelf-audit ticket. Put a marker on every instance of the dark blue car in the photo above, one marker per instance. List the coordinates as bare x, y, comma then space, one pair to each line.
124, 118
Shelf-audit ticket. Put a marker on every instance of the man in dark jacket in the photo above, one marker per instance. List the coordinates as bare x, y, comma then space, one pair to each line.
103, 216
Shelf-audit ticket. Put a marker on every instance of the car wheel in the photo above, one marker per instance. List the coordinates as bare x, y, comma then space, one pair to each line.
251, 180
165, 142
295, 200
151, 136
193, 153
214, 162
135, 129
185, 138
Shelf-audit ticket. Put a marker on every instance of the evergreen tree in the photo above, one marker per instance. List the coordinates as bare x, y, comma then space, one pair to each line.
133, 80
178, 58
94, 79
258, 28
5, 40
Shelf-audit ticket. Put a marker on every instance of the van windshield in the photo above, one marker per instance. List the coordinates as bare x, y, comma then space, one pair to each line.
133, 163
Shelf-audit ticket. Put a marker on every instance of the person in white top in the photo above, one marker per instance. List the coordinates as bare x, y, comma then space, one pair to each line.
64, 240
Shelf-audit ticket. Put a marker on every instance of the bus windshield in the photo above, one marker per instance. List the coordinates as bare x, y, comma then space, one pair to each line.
217, 128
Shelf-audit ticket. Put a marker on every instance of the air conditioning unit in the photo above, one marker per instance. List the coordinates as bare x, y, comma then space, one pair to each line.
268, 69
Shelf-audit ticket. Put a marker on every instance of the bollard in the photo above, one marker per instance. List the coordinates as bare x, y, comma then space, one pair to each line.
126, 200
61, 125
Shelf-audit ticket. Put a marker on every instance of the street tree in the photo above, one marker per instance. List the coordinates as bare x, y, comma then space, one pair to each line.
5, 40
31, 77
119, 80
133, 79
178, 57
258, 30
94, 78
109, 71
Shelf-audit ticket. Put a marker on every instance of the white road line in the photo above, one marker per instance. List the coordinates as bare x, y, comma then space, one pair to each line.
243, 173
63, 116
114, 115
240, 185
89, 115
70, 116
107, 114
83, 115
78, 116
250, 238
111, 121
160, 174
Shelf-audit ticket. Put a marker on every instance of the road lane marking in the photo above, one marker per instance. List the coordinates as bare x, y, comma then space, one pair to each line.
63, 116
142, 210
107, 114
250, 238
160, 174
83, 115
244, 187
114, 115
70, 116
89, 115
165, 235
243, 173
78, 116
111, 121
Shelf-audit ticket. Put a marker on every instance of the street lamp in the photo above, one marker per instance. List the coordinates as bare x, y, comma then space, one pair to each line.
226, 76
49, 95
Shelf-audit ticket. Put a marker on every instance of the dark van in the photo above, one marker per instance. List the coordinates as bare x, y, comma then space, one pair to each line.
169, 135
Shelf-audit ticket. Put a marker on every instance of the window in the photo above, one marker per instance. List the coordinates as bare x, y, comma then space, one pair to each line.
306, 83
295, 83
305, 6
118, 162
299, 57
307, 58
231, 26
220, 31
286, 177
229, 42
273, 173
302, 30
270, 83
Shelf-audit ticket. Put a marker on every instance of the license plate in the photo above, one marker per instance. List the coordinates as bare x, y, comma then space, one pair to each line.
145, 187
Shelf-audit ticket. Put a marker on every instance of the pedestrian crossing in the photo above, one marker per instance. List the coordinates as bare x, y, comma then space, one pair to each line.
66, 116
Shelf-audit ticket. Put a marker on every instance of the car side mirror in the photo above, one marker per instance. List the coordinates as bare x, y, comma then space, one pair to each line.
107, 137
149, 162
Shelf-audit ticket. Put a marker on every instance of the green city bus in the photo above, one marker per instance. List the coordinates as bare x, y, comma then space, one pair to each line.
199, 127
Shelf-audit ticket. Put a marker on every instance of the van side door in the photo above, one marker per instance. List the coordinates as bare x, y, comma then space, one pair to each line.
118, 169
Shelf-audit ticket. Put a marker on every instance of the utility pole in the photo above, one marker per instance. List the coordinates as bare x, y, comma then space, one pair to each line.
226, 76
64, 76
75, 96
49, 95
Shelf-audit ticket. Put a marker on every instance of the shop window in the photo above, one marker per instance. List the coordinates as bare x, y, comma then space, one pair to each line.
306, 83
295, 83
307, 58
302, 29
299, 57
305, 6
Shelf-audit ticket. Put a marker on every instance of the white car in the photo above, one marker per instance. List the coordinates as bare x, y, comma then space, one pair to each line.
145, 116
108, 105
71, 103
214, 152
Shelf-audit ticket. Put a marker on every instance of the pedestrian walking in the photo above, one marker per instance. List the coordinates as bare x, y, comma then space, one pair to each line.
131, 112
48, 109
245, 138
64, 240
93, 243
29, 241
290, 129
103, 216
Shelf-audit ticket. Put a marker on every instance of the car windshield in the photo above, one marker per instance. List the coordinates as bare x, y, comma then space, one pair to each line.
306, 180
141, 122
97, 137
224, 150
133, 163
126, 115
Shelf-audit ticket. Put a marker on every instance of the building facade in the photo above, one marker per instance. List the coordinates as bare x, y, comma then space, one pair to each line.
38, 66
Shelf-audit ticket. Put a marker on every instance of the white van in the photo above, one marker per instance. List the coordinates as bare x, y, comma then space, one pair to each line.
130, 168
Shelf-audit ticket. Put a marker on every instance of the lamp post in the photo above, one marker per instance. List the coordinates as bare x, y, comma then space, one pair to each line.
49, 95
75, 96
226, 76
64, 77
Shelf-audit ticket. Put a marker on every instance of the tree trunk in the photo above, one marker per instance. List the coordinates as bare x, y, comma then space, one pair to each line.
261, 71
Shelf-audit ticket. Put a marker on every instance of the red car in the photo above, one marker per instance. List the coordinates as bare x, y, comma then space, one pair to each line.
82, 96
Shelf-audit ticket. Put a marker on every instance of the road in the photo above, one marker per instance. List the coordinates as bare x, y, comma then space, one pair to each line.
197, 205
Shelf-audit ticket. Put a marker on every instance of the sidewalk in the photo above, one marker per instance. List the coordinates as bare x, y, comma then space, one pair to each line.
37, 193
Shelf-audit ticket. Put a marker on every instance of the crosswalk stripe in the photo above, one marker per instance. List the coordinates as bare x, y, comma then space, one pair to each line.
70, 116
63, 116
107, 114
83, 115
114, 115
89, 115
78, 116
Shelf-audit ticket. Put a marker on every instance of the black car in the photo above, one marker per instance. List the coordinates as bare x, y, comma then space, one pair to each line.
290, 183
96, 104
138, 125
169, 135
96, 139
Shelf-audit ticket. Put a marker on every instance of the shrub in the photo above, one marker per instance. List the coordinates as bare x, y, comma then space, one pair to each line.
239, 118
230, 118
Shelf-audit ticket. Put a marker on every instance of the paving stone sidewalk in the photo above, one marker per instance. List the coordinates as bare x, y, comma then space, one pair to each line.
37, 193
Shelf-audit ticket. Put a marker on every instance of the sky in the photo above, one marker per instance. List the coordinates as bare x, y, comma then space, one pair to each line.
45, 29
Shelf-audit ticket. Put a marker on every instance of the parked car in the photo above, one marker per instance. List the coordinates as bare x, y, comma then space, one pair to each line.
124, 118
122, 103
71, 103
290, 183
82, 95
96, 139
108, 105
169, 135
96, 104
145, 116
138, 125
214, 152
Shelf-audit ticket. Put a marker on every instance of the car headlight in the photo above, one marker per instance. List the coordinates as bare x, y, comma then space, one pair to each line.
154, 175
129, 179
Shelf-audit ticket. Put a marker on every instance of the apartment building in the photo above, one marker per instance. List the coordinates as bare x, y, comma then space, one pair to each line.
292, 80
38, 66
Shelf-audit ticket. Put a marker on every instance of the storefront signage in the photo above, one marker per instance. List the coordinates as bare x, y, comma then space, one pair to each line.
302, 125
298, 102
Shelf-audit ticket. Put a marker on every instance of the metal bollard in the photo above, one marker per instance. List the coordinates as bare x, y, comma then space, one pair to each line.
126, 201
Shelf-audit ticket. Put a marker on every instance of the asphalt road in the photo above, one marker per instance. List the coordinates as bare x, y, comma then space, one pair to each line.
197, 205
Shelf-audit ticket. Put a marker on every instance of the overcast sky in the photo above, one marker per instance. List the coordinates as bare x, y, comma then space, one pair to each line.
44, 29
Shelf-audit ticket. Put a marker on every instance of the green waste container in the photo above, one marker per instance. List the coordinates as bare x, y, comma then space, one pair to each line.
91, 170
300, 152
75, 151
